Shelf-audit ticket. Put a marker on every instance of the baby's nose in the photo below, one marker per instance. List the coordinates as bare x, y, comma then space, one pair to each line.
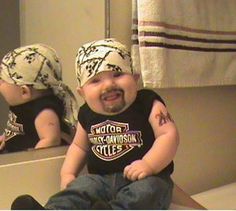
109, 82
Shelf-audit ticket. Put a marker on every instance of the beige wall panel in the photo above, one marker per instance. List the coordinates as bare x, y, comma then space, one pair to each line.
64, 25
34, 178
120, 20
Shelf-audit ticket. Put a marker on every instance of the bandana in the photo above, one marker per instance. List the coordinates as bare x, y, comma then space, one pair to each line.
103, 55
39, 67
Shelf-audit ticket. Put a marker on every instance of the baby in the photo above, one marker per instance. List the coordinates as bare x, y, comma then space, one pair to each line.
126, 137
42, 109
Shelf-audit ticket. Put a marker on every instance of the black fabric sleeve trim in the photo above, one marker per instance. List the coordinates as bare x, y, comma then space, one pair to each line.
49, 102
146, 98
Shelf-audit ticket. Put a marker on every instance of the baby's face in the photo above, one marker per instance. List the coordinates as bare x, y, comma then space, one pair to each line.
110, 92
11, 93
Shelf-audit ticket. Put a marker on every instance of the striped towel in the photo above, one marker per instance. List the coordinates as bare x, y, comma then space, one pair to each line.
184, 43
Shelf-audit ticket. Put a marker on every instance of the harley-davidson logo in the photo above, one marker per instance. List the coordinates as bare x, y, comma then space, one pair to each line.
111, 140
13, 128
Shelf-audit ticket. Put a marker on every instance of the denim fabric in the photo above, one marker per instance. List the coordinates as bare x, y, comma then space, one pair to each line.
153, 192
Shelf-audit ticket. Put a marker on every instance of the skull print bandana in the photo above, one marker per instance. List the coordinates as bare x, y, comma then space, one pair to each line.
38, 66
102, 55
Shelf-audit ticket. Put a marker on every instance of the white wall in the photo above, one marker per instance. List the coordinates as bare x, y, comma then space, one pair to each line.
207, 124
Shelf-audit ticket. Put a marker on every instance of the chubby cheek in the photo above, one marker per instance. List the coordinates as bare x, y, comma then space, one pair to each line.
130, 97
130, 92
93, 100
95, 105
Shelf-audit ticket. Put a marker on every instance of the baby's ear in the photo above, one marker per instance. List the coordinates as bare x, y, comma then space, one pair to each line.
26, 92
80, 91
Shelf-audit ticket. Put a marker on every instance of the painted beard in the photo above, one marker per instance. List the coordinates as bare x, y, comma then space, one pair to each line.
113, 100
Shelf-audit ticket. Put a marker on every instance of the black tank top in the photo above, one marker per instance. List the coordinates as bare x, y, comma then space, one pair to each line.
20, 132
117, 140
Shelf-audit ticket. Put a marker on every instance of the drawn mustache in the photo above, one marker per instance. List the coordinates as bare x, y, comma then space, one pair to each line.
108, 91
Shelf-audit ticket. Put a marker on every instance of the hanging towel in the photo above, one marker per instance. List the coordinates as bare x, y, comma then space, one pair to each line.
184, 43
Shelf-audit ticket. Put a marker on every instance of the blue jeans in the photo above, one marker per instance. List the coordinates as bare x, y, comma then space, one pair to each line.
153, 192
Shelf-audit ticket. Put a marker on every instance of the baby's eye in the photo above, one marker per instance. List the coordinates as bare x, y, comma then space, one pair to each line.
117, 74
94, 81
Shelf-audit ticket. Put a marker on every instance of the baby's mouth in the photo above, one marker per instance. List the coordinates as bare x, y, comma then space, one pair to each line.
111, 96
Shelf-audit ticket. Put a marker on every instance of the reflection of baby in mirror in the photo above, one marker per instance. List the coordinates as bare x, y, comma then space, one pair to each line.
42, 109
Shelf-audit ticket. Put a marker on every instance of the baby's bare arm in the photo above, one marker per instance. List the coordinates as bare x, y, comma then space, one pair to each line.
164, 147
48, 128
75, 157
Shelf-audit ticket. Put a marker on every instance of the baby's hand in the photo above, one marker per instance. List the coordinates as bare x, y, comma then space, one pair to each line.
2, 141
65, 180
137, 170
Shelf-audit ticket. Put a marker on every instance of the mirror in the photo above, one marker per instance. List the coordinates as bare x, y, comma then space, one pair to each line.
64, 26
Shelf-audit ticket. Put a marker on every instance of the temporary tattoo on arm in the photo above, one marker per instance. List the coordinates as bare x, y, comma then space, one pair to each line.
164, 118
